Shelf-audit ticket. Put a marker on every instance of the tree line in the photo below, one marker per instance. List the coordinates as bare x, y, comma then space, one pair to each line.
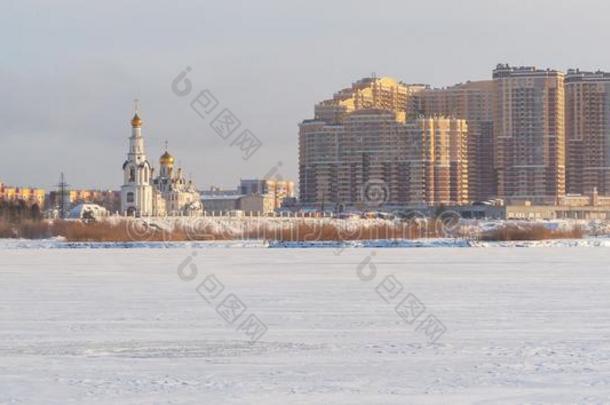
18, 211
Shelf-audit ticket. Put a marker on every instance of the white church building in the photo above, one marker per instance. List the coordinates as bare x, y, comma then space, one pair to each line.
144, 195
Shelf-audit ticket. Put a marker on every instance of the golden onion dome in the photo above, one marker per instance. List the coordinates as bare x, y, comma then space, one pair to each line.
166, 159
136, 121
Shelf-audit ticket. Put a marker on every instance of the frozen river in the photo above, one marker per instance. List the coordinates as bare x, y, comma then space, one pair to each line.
284, 326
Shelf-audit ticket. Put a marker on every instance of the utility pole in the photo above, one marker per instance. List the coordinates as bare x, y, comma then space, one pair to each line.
62, 187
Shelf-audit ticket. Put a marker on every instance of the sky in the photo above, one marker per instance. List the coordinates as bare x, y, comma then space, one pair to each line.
70, 70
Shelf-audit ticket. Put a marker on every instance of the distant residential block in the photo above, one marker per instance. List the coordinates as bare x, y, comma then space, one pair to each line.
29, 195
529, 134
587, 131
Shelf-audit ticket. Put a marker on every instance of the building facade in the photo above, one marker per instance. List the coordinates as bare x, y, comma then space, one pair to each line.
382, 93
255, 204
225, 203
252, 196
28, 195
473, 102
529, 134
219, 203
375, 158
274, 190
587, 132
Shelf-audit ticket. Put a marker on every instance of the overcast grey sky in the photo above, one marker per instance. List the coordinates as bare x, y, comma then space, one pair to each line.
70, 69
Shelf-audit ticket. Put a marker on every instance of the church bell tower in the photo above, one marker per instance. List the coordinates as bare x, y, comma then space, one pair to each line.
137, 191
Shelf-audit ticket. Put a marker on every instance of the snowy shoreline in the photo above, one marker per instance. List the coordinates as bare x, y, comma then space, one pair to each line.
59, 243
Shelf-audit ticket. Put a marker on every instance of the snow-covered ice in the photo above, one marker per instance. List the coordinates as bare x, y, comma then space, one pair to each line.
121, 327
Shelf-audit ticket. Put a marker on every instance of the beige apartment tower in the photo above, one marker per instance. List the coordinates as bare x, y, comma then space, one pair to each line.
383, 93
422, 161
587, 132
472, 101
529, 134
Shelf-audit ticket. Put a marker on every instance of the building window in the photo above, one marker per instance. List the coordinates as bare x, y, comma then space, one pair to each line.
130, 197
132, 174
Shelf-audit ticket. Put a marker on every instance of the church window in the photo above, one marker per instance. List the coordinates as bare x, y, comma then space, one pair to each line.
130, 197
132, 174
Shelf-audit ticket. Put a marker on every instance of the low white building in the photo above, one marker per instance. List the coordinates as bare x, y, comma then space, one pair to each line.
94, 211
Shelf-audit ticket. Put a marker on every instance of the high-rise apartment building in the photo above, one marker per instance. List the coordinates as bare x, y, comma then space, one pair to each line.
371, 92
587, 132
420, 161
515, 147
529, 133
472, 101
